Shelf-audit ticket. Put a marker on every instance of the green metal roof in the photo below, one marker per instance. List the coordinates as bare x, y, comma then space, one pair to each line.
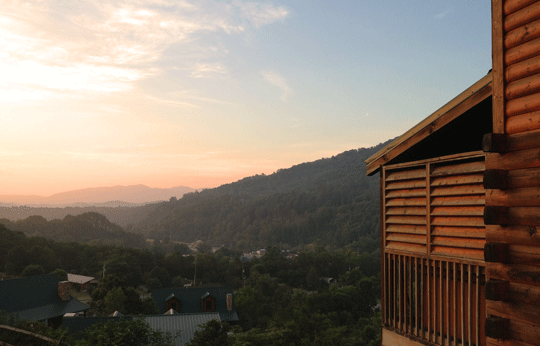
186, 324
35, 298
191, 300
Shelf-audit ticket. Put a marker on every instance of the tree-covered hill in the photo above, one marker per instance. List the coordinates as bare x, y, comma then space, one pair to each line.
84, 228
330, 201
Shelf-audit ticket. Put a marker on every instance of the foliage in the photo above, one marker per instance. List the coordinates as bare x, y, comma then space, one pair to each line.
330, 201
213, 333
133, 332
32, 270
60, 274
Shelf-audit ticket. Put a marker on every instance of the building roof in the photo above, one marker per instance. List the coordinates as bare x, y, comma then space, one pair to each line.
186, 324
79, 279
471, 97
36, 298
191, 300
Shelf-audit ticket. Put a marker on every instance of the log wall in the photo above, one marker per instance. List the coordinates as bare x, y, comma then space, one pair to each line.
512, 177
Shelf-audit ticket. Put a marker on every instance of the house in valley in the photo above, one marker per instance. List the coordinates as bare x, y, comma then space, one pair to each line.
39, 298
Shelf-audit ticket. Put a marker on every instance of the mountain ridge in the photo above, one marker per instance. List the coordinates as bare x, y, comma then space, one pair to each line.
124, 195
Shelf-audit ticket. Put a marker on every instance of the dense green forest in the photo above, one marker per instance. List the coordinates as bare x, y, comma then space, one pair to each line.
85, 228
279, 301
329, 201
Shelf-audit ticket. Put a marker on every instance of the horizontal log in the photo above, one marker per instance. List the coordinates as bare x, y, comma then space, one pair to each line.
511, 6
523, 123
459, 200
406, 238
524, 216
509, 342
405, 220
529, 158
499, 143
523, 87
496, 215
495, 179
458, 168
497, 290
460, 190
524, 254
522, 52
522, 69
514, 235
497, 327
522, 34
405, 184
406, 211
524, 294
406, 202
521, 178
496, 252
457, 221
518, 273
458, 211
406, 247
405, 174
523, 197
523, 16
462, 243
409, 229
525, 332
459, 232
406, 193
494, 143
522, 105
515, 312
453, 253
464, 179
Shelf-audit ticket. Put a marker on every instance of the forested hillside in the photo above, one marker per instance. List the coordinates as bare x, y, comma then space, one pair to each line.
329, 201
84, 228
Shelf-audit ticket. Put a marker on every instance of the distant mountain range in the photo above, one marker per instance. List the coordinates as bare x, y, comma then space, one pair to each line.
114, 196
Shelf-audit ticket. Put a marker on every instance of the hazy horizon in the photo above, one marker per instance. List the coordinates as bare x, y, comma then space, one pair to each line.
205, 93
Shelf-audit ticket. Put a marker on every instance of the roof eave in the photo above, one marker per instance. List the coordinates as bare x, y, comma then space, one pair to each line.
469, 98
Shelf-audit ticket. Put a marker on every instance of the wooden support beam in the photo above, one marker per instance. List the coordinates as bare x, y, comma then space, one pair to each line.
496, 252
497, 290
494, 143
495, 179
495, 215
497, 327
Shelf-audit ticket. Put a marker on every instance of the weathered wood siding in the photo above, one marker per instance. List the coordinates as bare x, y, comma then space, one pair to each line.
512, 178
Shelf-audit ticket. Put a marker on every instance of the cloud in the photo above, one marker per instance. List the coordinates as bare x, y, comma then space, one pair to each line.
279, 81
443, 14
202, 70
107, 46
261, 14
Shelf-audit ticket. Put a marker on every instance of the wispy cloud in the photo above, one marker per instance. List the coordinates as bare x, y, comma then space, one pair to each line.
279, 81
107, 46
443, 14
261, 14
202, 70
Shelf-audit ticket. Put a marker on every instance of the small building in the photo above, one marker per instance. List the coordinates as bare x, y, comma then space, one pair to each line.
80, 282
197, 300
39, 298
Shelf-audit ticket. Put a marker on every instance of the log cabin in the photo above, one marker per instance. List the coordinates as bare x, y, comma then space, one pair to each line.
460, 205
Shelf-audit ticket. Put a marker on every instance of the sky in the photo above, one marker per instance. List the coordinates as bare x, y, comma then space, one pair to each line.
204, 93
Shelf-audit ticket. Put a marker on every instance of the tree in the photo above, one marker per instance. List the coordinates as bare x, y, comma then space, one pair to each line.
204, 248
213, 333
60, 274
32, 269
114, 301
133, 332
